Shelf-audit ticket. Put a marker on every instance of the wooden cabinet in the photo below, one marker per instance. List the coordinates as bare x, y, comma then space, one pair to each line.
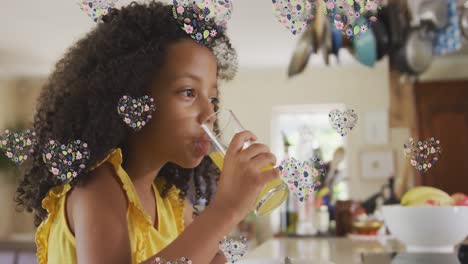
442, 113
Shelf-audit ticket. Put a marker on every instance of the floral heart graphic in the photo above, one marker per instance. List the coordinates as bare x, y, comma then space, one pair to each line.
352, 17
66, 162
343, 122
136, 113
423, 154
303, 178
220, 10
159, 260
18, 146
295, 15
233, 249
203, 20
96, 9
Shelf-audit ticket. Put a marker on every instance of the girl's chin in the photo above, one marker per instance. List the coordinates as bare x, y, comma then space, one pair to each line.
191, 163
198, 161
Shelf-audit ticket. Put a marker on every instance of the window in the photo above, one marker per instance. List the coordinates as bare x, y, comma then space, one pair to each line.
310, 135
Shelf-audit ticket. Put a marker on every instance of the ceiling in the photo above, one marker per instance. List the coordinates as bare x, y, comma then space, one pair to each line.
34, 34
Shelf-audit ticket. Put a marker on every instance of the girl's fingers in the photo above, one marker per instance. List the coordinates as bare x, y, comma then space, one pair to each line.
270, 175
254, 150
263, 160
238, 141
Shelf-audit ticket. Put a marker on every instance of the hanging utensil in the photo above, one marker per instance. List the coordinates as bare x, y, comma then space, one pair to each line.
397, 28
413, 8
365, 47
419, 51
318, 24
323, 33
435, 12
416, 55
449, 39
304, 47
337, 42
464, 21
310, 41
382, 39
396, 24
326, 44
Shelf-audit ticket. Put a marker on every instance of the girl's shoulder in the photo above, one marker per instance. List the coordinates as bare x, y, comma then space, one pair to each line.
103, 184
100, 194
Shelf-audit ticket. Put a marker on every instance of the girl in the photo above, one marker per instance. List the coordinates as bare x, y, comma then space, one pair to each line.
130, 204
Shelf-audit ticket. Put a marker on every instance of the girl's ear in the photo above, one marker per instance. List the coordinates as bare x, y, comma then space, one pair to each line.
136, 112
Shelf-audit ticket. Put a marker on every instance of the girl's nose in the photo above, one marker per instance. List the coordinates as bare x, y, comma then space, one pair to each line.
207, 114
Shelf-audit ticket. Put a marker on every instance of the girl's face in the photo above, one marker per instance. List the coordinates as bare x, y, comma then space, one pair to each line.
185, 91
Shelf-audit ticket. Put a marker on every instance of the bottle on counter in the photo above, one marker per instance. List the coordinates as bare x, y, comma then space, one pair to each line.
292, 216
284, 218
306, 225
388, 193
284, 209
323, 219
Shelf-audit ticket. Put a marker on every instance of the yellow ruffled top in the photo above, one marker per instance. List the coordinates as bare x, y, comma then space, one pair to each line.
56, 243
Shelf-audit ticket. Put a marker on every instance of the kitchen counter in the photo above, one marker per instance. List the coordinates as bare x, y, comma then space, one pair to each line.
338, 250
18, 242
12, 245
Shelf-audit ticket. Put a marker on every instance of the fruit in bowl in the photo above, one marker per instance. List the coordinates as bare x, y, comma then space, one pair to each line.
460, 199
426, 195
427, 220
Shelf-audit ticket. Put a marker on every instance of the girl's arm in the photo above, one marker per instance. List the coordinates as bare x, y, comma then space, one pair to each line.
188, 219
98, 215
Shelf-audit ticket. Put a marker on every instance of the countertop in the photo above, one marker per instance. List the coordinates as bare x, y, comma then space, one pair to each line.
18, 242
338, 250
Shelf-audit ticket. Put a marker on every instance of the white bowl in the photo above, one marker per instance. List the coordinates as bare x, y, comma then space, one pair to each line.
281, 261
427, 228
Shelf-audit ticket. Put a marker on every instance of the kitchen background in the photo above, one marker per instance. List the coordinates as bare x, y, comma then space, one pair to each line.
34, 34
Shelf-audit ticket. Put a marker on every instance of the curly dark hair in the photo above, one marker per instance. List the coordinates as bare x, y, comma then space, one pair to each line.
78, 101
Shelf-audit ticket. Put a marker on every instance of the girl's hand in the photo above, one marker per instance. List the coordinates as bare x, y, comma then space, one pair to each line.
242, 178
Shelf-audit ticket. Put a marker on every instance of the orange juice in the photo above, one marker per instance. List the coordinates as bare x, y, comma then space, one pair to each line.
274, 201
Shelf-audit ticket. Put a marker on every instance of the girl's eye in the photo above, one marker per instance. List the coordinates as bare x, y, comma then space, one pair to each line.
189, 92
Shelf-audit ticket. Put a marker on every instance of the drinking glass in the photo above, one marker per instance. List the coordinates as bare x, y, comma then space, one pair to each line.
226, 126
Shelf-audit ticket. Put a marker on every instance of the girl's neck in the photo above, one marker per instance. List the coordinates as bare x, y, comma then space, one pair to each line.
142, 166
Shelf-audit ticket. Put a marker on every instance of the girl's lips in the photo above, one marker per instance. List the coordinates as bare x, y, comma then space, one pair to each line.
202, 146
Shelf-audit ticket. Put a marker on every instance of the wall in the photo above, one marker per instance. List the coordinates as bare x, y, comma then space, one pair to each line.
17, 102
447, 68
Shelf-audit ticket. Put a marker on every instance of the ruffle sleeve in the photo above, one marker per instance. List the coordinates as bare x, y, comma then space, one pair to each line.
50, 204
